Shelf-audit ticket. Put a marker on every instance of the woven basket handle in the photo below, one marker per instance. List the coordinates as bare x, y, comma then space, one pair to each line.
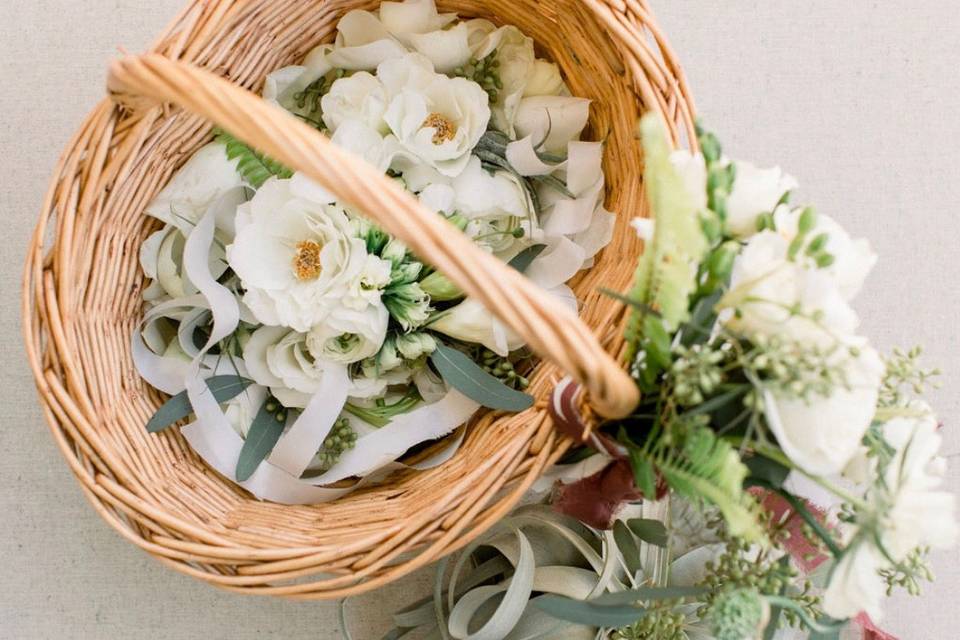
550, 329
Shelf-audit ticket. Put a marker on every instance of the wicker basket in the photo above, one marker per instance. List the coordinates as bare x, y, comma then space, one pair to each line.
82, 293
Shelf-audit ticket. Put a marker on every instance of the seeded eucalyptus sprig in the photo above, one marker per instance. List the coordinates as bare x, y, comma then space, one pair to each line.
485, 72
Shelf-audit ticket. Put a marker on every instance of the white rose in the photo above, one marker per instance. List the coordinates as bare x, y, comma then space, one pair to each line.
365, 39
413, 16
348, 336
278, 358
297, 257
436, 119
822, 434
516, 59
287, 363
359, 97
544, 80
205, 177
920, 515
773, 295
363, 42
755, 191
852, 259
855, 585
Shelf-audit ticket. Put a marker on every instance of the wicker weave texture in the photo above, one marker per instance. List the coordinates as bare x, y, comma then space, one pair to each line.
83, 285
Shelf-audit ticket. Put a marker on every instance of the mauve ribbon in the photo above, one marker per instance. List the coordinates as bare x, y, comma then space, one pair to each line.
596, 499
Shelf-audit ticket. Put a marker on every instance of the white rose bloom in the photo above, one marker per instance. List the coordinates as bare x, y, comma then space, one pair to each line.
920, 515
365, 39
853, 259
348, 336
755, 191
516, 60
855, 585
293, 368
822, 434
297, 257
544, 80
205, 177
766, 288
363, 42
913, 514
412, 17
359, 97
436, 119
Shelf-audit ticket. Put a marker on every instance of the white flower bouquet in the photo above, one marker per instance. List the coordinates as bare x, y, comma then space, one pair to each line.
311, 346
777, 479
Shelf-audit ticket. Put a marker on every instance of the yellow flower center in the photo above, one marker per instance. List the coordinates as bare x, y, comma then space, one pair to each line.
443, 128
306, 262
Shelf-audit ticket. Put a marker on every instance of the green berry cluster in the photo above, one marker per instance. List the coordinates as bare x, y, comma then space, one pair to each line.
696, 372
502, 369
273, 407
800, 370
485, 72
909, 573
904, 376
738, 568
342, 438
663, 621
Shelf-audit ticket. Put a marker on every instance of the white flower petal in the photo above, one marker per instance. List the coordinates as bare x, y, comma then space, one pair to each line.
822, 434
446, 49
561, 117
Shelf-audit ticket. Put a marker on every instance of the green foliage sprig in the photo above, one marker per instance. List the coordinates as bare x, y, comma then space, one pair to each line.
255, 167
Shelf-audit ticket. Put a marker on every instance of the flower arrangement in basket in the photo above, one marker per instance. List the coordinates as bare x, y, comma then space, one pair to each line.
362, 296
332, 348
778, 476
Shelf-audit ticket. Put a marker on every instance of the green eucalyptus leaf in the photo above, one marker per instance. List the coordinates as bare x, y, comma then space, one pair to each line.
178, 407
467, 377
588, 613
522, 261
628, 547
646, 594
650, 531
264, 432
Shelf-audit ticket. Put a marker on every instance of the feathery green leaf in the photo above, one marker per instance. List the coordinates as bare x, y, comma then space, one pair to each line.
255, 167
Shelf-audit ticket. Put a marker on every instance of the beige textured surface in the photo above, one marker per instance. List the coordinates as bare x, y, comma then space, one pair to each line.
858, 99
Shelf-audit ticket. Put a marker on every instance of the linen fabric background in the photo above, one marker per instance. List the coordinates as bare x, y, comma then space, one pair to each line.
857, 99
